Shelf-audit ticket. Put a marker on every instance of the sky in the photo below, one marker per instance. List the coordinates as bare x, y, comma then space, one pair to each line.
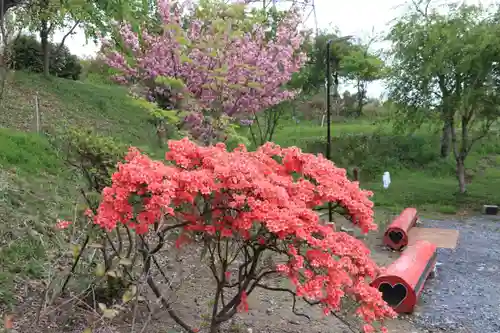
363, 19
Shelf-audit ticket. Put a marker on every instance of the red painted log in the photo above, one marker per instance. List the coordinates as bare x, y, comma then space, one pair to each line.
402, 282
396, 235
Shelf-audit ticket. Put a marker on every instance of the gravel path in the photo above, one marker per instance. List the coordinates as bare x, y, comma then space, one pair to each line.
465, 295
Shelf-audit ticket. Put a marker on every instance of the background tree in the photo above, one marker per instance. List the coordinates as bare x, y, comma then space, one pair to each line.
96, 18
44, 17
102, 16
316, 66
361, 66
445, 70
264, 124
215, 59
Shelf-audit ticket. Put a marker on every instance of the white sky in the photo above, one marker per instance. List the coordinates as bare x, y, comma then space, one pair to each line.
364, 19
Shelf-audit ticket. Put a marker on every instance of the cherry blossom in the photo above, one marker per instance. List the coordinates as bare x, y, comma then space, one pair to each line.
224, 70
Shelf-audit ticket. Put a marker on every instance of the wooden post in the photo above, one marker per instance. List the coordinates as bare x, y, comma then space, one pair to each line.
37, 114
355, 172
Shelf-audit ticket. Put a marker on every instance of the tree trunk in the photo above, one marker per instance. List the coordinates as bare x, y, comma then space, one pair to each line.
461, 174
160, 134
446, 139
44, 38
359, 107
360, 98
215, 328
459, 154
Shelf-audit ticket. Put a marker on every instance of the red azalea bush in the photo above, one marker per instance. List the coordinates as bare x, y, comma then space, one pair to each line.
249, 204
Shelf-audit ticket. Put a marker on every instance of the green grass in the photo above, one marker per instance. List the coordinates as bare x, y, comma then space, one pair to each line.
28, 153
293, 134
438, 194
35, 189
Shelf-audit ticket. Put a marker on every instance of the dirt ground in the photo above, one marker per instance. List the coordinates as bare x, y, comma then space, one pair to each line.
270, 312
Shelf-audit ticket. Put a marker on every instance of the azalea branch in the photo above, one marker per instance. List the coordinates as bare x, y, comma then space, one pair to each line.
147, 258
83, 247
119, 237
166, 304
246, 279
312, 303
130, 241
75, 263
294, 298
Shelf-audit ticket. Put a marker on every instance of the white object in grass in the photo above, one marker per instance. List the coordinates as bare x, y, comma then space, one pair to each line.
386, 179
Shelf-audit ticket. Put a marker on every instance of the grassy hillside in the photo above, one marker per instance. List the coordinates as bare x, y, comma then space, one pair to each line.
36, 188
105, 108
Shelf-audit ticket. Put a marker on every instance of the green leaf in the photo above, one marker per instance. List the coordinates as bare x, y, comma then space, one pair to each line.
113, 273
254, 85
185, 58
100, 270
129, 294
75, 249
106, 312
109, 313
127, 297
102, 307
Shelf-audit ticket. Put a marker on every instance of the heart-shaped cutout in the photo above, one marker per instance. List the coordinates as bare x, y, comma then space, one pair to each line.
393, 295
396, 236
492, 210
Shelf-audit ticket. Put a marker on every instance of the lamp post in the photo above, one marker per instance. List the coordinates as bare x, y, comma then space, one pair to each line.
328, 100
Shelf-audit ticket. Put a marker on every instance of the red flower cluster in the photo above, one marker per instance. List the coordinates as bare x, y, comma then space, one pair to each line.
62, 224
275, 188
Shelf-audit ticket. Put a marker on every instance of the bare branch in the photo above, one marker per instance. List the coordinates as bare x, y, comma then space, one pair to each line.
294, 295
154, 288
294, 298
70, 32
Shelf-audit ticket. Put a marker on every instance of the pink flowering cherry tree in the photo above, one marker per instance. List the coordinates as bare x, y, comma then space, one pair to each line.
242, 207
230, 70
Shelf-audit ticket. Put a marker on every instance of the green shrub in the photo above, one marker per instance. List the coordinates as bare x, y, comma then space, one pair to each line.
375, 153
235, 138
26, 54
96, 71
94, 156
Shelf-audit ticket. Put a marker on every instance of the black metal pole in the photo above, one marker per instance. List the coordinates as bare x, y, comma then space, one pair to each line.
329, 102
328, 115
328, 99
